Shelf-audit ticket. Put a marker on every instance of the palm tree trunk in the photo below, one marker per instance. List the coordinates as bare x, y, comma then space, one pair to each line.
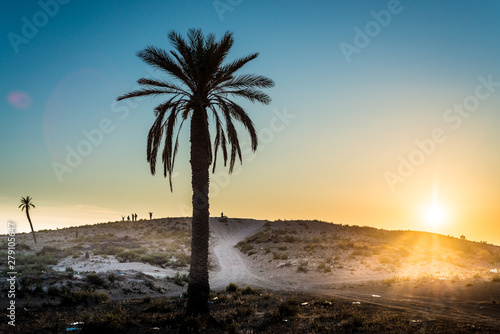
198, 289
29, 219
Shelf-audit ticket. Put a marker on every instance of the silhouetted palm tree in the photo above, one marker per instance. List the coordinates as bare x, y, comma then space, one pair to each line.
26, 204
203, 86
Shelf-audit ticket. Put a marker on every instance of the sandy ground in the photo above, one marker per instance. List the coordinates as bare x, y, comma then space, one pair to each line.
357, 280
432, 297
232, 266
100, 264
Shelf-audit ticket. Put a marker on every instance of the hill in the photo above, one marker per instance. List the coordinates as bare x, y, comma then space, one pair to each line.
425, 275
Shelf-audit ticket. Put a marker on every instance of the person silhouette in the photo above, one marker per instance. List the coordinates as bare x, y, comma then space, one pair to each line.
222, 214
150, 215
128, 217
123, 218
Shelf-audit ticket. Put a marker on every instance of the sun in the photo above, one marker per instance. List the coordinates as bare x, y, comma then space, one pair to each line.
435, 215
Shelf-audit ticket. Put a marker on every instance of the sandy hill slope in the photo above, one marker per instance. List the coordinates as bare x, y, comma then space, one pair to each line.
417, 270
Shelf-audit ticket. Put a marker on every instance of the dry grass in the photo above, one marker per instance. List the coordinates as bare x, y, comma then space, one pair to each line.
238, 310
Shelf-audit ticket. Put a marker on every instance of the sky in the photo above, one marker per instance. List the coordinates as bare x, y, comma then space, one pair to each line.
384, 113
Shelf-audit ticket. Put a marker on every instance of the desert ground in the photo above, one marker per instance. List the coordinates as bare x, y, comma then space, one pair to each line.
278, 276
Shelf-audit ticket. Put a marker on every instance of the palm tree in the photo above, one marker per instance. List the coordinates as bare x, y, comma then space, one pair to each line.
26, 204
202, 86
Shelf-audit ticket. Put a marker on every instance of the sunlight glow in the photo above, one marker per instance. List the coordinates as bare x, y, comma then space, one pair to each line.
435, 215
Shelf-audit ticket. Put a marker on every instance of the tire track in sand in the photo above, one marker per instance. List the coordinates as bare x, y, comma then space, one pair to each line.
233, 267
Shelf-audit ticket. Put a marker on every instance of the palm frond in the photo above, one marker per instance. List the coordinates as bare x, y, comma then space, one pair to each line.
232, 137
220, 139
240, 114
144, 92
164, 84
237, 64
159, 58
176, 146
248, 81
251, 95
153, 142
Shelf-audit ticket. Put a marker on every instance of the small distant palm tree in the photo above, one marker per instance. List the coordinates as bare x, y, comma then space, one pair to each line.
27, 204
203, 86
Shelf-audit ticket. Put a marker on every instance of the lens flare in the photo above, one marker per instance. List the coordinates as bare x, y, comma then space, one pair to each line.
19, 100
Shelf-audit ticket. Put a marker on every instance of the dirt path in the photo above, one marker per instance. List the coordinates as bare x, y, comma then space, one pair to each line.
235, 267
232, 266
425, 306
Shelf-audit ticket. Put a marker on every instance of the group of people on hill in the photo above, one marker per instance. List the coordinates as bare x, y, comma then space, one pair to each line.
134, 217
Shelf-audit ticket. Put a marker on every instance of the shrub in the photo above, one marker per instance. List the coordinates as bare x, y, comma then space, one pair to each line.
83, 297
156, 259
111, 277
357, 252
244, 311
183, 259
48, 250
287, 308
249, 290
94, 279
162, 305
302, 268
53, 291
22, 247
232, 287
179, 278
385, 259
244, 246
290, 239
128, 255
388, 281
262, 237
46, 259
113, 321
109, 249
280, 256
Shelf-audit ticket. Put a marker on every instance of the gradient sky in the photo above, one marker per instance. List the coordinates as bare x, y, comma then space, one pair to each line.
353, 96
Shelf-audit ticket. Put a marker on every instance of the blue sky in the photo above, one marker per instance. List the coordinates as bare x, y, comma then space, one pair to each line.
351, 119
